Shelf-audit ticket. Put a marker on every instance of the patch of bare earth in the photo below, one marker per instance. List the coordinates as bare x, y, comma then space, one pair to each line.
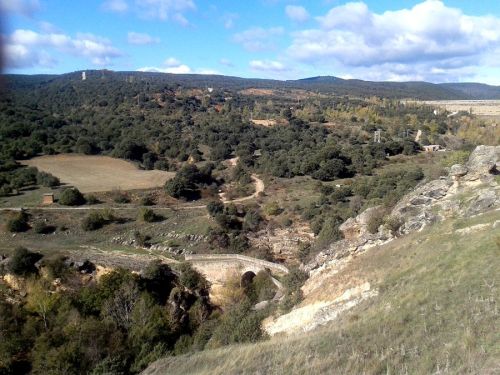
478, 107
91, 173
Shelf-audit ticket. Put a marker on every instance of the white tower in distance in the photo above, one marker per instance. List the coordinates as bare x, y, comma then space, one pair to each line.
84, 76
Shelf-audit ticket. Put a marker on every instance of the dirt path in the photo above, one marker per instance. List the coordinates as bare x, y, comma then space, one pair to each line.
259, 188
100, 207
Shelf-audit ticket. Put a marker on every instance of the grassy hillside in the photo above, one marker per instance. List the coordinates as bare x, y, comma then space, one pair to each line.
436, 312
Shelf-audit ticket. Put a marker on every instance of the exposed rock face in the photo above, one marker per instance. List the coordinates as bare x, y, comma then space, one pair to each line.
483, 162
282, 242
458, 171
311, 316
354, 228
468, 190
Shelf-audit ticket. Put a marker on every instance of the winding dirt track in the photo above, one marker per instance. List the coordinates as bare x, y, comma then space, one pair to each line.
259, 187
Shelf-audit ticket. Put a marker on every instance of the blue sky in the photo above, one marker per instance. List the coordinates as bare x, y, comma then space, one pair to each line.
399, 40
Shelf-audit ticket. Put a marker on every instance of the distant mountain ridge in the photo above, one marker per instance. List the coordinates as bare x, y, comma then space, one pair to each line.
321, 84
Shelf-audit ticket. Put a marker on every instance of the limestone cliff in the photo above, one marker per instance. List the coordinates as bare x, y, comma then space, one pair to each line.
467, 190
339, 279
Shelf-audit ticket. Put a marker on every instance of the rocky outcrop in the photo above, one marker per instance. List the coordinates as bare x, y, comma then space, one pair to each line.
483, 163
468, 190
357, 239
283, 243
310, 316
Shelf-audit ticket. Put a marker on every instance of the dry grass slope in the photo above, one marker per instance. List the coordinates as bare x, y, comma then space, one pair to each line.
98, 173
436, 314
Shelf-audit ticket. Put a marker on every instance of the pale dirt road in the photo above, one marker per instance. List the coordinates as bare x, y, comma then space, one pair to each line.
259, 187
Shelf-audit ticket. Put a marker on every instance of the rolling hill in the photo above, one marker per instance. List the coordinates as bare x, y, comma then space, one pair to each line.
322, 84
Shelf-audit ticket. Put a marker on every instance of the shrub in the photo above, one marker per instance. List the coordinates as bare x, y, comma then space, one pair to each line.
23, 262
120, 197
141, 239
46, 179
304, 251
215, 207
147, 215
228, 222
375, 221
239, 243
108, 215
273, 209
92, 199
18, 223
180, 187
293, 281
147, 200
93, 221
455, 157
262, 287
190, 278
41, 228
329, 232
56, 267
71, 197
239, 324
252, 220
393, 224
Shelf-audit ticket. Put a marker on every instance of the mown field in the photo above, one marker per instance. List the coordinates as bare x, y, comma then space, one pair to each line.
98, 173
478, 107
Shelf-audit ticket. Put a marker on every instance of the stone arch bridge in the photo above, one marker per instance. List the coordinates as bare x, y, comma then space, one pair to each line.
218, 268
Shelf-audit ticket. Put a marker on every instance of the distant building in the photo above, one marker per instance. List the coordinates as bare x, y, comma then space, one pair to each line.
48, 198
84, 76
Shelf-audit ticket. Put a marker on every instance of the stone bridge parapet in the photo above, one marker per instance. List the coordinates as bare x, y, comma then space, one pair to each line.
218, 268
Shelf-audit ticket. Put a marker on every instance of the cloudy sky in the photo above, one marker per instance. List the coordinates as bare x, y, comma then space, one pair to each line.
399, 40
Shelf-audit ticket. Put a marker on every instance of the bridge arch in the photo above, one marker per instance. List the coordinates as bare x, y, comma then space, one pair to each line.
217, 268
247, 278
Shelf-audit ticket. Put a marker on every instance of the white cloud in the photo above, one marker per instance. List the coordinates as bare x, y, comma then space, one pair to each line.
267, 66
226, 62
296, 13
208, 71
171, 62
166, 9
141, 38
174, 66
27, 48
229, 20
428, 41
170, 65
24, 7
47, 27
116, 6
258, 39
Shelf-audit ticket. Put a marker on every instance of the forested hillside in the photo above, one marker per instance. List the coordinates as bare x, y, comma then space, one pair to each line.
278, 167
322, 84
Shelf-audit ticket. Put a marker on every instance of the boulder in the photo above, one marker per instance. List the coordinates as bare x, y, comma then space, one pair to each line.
483, 202
483, 162
458, 170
